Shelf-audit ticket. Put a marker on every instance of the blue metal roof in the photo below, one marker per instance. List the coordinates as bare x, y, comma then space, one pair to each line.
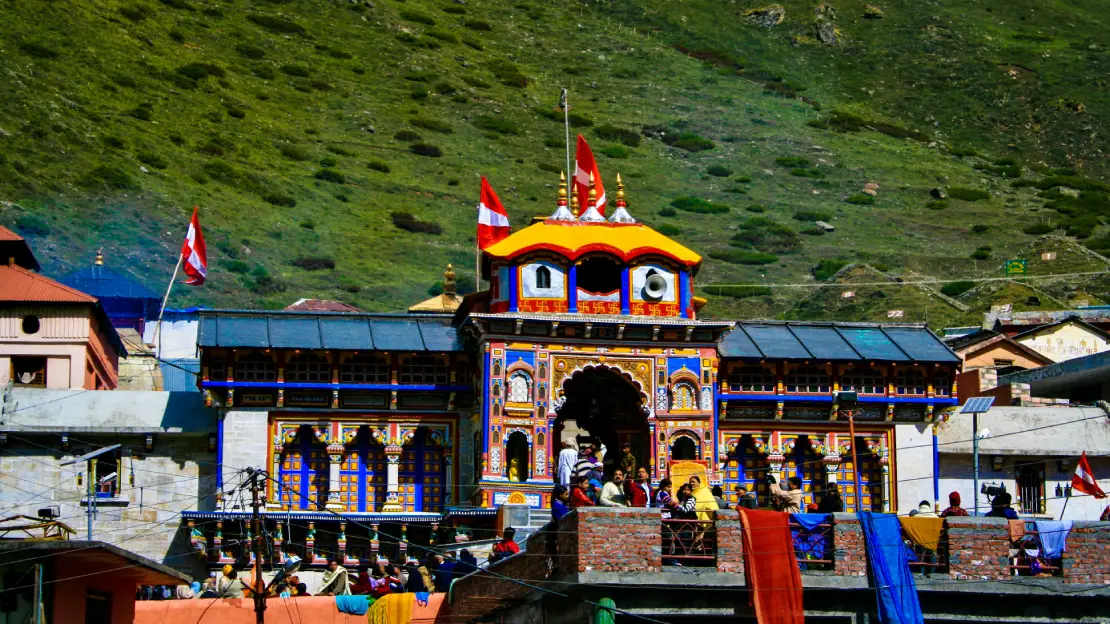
104, 283
326, 330
834, 342
180, 375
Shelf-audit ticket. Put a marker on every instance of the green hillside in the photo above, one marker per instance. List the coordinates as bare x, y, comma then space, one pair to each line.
334, 147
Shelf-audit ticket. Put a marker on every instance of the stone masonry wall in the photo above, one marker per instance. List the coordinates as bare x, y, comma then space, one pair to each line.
145, 518
245, 443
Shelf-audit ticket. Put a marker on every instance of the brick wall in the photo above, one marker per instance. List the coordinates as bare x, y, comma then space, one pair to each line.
618, 539
979, 549
849, 551
730, 542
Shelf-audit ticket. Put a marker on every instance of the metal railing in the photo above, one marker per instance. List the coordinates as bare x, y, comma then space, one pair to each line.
813, 548
689, 542
1026, 559
925, 561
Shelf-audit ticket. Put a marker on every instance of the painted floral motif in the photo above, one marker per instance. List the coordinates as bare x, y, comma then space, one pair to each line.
495, 459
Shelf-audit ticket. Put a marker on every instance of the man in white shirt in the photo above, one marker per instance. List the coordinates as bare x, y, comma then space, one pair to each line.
568, 457
612, 495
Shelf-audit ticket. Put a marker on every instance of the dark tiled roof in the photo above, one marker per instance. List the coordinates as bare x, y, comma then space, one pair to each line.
326, 330
835, 342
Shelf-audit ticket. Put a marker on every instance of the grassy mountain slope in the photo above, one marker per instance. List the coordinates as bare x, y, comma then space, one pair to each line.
301, 127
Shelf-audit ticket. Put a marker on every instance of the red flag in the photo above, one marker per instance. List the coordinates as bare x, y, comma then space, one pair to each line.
194, 253
493, 221
585, 165
1084, 480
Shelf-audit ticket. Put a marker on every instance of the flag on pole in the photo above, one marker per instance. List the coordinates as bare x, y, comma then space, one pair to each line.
194, 253
493, 221
584, 166
1084, 480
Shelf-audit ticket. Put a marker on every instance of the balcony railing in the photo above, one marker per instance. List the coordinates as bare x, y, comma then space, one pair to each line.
689, 543
813, 547
925, 561
1027, 556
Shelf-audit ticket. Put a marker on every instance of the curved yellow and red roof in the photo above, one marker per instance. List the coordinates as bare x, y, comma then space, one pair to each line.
575, 239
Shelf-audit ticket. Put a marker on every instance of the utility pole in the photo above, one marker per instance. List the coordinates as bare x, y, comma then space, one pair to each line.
38, 593
90, 474
256, 537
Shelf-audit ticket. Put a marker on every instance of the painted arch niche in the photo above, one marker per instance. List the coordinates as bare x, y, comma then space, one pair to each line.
543, 279
640, 275
685, 446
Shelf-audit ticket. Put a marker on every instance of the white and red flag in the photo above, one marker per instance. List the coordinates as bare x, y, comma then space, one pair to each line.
493, 221
585, 165
1084, 480
193, 253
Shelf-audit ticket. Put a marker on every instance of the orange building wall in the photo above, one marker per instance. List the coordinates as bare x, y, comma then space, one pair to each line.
1000, 351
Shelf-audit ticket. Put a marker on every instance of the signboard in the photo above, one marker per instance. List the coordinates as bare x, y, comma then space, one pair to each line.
893, 314
1015, 267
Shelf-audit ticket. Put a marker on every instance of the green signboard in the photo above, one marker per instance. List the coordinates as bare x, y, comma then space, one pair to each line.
1015, 267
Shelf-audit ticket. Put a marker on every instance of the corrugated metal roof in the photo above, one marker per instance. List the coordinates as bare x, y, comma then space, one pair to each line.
324, 330
834, 342
102, 282
17, 284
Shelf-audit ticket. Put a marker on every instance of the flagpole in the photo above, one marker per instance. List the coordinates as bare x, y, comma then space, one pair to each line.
477, 267
1066, 500
162, 310
566, 126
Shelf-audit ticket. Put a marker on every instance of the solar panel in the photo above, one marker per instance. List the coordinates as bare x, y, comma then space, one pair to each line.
977, 405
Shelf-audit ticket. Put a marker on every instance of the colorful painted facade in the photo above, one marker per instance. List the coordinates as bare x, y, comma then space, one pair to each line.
589, 331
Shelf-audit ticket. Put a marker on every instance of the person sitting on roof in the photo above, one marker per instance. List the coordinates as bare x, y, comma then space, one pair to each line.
507, 547
954, 508
335, 581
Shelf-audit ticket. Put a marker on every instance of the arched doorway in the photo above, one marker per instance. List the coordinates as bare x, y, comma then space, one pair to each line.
516, 456
683, 448
602, 403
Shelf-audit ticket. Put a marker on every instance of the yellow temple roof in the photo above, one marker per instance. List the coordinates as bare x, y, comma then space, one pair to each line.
576, 239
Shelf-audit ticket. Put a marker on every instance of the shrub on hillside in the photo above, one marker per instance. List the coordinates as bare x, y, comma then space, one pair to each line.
963, 193
135, 12
410, 223
378, 165
314, 263
804, 172
937, 204
548, 167
826, 268
1039, 228
955, 289
445, 88
407, 136
277, 24
629, 137
144, 111
300, 71
434, 125
495, 124
667, 212
479, 25
812, 215
38, 51
668, 229
108, 177
813, 231
765, 234
279, 199
692, 142
982, 253
294, 152
471, 42
443, 35
152, 159
418, 17
339, 151
454, 9
615, 151
755, 208
698, 205
719, 171
235, 266
979, 228
860, 199
249, 51
200, 71
575, 119
114, 141
508, 74
328, 161
32, 225
792, 161
743, 256
330, 175
426, 149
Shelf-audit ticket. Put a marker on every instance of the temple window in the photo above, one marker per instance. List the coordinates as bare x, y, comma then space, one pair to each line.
751, 379
543, 278
942, 385
364, 369
308, 367
909, 383
520, 387
423, 369
864, 381
684, 449
684, 397
599, 274
217, 367
255, 367
808, 379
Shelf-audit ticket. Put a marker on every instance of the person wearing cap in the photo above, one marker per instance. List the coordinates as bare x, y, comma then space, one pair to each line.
1000, 507
507, 547
628, 460
954, 508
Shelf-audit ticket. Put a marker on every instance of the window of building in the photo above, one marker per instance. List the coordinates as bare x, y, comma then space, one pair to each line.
543, 278
217, 368
255, 367
942, 385
30, 324
29, 371
106, 474
808, 379
308, 367
520, 387
1003, 363
684, 397
1031, 489
751, 379
423, 370
364, 369
599, 274
864, 381
684, 449
909, 383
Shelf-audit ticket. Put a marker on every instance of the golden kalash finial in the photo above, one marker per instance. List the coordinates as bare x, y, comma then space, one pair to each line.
561, 212
620, 214
592, 202
99, 257
449, 280
574, 205
592, 214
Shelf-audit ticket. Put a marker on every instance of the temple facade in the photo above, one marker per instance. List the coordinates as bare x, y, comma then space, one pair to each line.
379, 429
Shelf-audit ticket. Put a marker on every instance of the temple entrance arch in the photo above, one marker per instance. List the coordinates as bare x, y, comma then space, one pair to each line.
603, 402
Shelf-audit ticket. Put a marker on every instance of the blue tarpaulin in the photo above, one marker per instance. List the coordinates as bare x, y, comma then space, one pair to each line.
810, 539
1054, 536
890, 569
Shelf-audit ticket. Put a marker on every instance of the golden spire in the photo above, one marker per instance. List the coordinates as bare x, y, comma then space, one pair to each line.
620, 213
449, 280
592, 202
562, 188
620, 192
574, 205
99, 257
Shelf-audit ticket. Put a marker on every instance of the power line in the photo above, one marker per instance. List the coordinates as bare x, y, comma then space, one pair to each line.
897, 281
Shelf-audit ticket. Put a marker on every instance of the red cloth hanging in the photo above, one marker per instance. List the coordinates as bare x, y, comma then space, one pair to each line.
773, 577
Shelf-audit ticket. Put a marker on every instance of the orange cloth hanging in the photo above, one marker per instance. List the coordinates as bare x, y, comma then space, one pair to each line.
924, 532
773, 577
